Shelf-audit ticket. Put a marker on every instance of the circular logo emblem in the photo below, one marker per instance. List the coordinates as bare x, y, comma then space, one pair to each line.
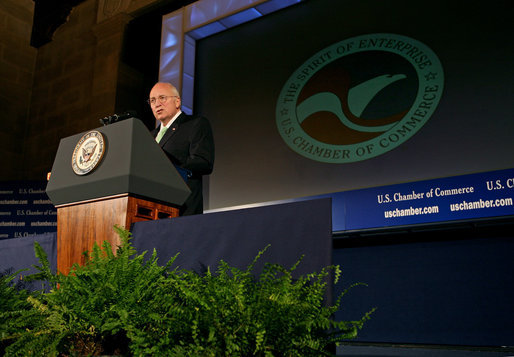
88, 152
359, 98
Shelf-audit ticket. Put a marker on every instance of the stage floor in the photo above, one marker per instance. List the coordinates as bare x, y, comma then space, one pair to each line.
383, 350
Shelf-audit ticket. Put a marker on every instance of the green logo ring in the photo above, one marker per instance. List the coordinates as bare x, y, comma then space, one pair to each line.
430, 87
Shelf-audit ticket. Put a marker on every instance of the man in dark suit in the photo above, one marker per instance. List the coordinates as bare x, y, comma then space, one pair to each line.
187, 141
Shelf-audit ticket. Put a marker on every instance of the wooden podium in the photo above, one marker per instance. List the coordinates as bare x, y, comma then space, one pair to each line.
127, 179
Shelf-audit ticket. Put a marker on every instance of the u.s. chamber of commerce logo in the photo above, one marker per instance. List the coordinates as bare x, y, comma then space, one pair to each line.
359, 98
88, 152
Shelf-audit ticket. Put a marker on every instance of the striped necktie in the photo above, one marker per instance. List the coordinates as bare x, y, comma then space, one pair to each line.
161, 133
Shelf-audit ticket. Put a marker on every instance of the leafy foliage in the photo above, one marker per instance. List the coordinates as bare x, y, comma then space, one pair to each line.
126, 304
13, 304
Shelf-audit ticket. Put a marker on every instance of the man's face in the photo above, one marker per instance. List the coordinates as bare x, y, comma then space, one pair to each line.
166, 104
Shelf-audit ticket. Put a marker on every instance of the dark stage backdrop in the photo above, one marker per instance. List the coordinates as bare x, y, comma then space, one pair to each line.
241, 72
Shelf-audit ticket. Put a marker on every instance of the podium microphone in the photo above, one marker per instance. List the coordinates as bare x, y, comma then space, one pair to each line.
118, 117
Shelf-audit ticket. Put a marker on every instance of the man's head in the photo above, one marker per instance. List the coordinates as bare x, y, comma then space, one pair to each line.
165, 101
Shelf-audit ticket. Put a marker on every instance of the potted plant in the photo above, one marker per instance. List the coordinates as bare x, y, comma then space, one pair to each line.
128, 304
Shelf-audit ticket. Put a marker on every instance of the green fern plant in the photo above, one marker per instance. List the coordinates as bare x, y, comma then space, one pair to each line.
13, 304
127, 304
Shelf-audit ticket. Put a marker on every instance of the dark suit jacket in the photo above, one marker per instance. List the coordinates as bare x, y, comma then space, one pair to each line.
189, 144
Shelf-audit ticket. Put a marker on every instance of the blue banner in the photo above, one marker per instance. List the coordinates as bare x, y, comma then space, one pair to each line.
25, 209
481, 195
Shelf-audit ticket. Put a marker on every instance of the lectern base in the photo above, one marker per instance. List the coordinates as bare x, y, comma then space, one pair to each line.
81, 224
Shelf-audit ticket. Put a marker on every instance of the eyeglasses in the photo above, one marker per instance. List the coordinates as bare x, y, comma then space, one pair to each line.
161, 98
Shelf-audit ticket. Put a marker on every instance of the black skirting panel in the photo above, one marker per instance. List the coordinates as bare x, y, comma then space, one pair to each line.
452, 286
291, 230
18, 254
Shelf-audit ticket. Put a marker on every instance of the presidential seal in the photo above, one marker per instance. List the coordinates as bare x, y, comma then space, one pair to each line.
88, 152
359, 98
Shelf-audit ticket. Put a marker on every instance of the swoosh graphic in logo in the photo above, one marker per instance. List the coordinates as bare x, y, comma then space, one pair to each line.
358, 98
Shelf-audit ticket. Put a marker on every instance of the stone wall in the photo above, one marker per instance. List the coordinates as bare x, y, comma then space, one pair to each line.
17, 63
74, 83
61, 103
65, 86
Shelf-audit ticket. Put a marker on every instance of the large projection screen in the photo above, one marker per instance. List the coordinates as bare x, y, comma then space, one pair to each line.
241, 74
